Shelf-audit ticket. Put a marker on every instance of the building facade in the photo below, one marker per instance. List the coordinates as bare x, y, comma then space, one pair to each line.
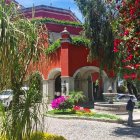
68, 69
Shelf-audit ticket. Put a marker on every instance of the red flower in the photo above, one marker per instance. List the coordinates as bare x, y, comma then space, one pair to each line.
116, 42
115, 50
132, 11
130, 57
87, 110
137, 66
76, 107
126, 32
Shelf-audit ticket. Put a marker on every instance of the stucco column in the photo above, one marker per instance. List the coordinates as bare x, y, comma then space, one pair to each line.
84, 83
44, 90
50, 90
67, 84
65, 47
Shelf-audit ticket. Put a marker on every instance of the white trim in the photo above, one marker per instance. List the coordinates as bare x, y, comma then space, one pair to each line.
89, 68
53, 72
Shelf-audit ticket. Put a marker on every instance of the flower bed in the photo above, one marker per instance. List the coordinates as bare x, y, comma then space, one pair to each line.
40, 136
81, 112
65, 107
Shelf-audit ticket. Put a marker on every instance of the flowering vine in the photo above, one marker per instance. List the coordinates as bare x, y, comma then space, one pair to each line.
126, 26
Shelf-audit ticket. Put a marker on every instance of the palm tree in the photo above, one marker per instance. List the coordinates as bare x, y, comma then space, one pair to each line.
20, 46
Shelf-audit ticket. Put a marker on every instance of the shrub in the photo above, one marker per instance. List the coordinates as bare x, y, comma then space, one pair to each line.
35, 83
62, 103
77, 97
40, 136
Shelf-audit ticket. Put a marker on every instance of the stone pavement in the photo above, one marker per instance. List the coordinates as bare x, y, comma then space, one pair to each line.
136, 115
73, 129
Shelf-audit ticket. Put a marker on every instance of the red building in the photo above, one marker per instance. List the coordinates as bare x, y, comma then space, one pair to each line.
68, 69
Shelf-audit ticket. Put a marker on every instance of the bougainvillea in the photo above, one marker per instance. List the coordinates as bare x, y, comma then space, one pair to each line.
56, 102
62, 103
127, 43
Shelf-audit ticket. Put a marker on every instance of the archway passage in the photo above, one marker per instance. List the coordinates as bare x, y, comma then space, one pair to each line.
89, 80
58, 86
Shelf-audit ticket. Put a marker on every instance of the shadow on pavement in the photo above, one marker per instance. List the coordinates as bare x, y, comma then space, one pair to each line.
129, 131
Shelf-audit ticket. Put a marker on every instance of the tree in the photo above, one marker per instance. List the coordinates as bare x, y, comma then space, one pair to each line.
127, 42
97, 15
98, 29
20, 46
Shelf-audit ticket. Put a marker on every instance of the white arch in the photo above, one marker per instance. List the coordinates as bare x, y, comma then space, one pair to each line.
53, 73
89, 68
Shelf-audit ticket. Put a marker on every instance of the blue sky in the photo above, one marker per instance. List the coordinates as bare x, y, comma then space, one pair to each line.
66, 4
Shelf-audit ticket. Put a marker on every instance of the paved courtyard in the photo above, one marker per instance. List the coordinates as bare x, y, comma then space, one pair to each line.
91, 130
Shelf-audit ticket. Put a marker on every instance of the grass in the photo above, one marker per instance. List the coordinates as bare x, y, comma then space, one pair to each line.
93, 114
106, 116
60, 112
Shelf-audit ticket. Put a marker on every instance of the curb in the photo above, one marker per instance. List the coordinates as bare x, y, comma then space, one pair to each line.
85, 118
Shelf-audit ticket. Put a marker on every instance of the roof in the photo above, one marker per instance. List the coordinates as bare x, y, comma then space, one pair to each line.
43, 11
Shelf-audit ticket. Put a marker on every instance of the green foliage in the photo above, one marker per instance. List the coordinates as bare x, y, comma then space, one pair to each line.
138, 104
52, 20
106, 116
60, 112
77, 97
92, 114
76, 41
35, 83
45, 136
40, 136
25, 116
80, 41
67, 104
20, 46
52, 48
98, 29
88, 114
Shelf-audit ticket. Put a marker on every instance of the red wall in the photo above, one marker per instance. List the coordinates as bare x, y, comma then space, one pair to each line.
69, 58
78, 59
45, 65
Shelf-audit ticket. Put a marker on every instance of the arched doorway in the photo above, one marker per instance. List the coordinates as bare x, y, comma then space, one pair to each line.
58, 86
90, 81
53, 84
